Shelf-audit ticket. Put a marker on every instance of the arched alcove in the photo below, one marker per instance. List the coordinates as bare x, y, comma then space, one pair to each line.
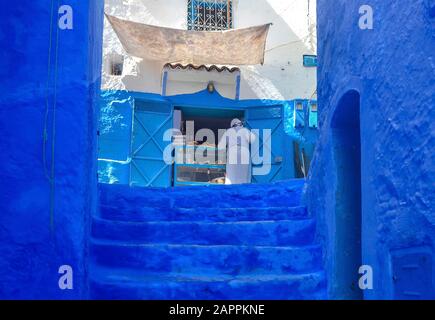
345, 130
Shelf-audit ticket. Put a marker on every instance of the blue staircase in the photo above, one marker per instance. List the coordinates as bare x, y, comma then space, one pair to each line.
220, 242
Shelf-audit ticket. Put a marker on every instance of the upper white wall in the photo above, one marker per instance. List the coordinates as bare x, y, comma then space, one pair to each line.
181, 81
282, 77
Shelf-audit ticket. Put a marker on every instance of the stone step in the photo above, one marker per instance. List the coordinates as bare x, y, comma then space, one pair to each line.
254, 233
126, 198
133, 286
203, 214
210, 260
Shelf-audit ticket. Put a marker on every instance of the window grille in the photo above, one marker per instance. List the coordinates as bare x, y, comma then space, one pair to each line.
116, 64
209, 15
116, 69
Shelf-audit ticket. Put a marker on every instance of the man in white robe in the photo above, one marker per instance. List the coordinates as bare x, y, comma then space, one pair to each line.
236, 141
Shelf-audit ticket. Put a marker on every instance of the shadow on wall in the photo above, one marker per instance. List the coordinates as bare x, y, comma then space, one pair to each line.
345, 130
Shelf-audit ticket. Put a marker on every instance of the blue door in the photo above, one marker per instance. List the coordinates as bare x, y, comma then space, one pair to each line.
271, 117
148, 168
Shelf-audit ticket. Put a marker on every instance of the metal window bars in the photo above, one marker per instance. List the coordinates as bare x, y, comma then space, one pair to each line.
209, 15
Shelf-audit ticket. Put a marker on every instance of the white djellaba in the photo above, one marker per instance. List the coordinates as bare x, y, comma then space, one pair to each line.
236, 141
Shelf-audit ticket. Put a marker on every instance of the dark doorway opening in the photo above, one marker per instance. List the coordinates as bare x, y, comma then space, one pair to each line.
345, 128
208, 118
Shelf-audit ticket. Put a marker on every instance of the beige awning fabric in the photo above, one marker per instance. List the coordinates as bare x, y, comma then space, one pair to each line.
231, 47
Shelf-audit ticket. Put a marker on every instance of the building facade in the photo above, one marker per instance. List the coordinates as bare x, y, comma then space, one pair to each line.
371, 183
285, 82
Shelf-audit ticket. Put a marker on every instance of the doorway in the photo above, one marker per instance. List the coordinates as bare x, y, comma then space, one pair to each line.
346, 143
199, 161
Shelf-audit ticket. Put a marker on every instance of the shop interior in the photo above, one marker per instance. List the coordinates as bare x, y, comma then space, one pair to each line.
209, 168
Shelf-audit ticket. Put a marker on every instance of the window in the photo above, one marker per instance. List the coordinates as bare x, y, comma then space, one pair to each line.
310, 60
116, 64
299, 114
116, 69
209, 15
312, 119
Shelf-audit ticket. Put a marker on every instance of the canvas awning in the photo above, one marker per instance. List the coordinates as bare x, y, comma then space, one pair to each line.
231, 47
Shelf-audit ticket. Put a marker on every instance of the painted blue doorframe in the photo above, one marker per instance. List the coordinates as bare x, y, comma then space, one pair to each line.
150, 121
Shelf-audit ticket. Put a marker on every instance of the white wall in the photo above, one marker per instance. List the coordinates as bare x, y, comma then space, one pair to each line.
182, 81
282, 77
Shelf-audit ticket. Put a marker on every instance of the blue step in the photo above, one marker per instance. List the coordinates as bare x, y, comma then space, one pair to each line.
240, 242
268, 287
210, 260
254, 233
282, 194
150, 214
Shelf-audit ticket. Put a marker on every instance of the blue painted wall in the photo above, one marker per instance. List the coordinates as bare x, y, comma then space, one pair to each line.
115, 127
392, 68
44, 225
